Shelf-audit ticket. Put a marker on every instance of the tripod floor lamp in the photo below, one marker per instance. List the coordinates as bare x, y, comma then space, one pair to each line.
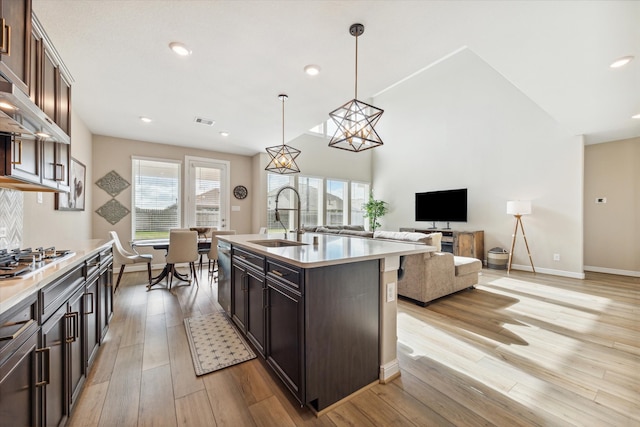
518, 208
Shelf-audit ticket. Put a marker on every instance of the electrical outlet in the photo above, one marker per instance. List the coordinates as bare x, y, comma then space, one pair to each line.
391, 291
3, 231
556, 257
39, 197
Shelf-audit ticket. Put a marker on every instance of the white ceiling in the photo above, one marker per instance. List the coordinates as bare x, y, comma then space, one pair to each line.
247, 52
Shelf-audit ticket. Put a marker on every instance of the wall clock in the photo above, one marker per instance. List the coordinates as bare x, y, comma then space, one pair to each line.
240, 192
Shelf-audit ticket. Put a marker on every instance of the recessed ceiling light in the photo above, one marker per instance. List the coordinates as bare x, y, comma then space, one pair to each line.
637, 116
180, 48
145, 119
43, 135
224, 133
621, 62
312, 70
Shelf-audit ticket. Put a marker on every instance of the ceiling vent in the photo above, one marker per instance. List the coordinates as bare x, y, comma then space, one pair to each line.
204, 121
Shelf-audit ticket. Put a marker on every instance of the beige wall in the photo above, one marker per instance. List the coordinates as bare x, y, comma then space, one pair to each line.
461, 124
45, 226
612, 229
111, 153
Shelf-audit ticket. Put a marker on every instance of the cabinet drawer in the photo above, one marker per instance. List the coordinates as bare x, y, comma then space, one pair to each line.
56, 293
93, 265
17, 325
290, 275
250, 258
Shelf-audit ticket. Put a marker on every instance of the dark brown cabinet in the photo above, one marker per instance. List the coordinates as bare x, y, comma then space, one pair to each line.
105, 293
54, 336
19, 401
285, 334
15, 39
306, 314
56, 158
21, 158
249, 297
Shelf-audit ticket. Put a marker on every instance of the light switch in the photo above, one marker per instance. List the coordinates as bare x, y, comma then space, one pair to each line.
39, 197
601, 200
391, 291
235, 208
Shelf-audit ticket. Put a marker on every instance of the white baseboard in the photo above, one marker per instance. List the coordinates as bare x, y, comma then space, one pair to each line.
612, 271
563, 273
389, 370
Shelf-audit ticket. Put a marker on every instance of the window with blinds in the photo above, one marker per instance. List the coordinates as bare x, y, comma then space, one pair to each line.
323, 201
156, 198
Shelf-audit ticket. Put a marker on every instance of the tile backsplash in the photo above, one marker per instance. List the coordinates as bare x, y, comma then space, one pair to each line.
11, 217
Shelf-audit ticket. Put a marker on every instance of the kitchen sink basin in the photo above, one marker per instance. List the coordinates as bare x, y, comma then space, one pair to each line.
276, 243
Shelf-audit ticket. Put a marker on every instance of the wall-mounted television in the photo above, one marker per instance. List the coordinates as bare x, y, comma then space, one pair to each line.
446, 205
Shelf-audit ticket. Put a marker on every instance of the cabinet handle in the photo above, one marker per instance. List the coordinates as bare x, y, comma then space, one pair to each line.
17, 142
25, 324
278, 273
47, 352
5, 41
90, 294
58, 172
74, 325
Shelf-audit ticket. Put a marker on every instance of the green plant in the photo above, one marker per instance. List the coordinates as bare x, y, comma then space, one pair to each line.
374, 210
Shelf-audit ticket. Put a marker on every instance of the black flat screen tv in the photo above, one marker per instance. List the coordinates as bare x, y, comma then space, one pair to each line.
446, 205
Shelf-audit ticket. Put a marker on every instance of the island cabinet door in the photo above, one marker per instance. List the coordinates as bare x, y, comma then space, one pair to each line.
239, 296
285, 335
256, 307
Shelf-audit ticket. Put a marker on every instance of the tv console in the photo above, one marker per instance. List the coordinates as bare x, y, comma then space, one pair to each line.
457, 242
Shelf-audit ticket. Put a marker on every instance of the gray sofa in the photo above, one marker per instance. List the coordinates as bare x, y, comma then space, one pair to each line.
422, 277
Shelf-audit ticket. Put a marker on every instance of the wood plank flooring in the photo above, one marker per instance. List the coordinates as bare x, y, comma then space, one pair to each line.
519, 350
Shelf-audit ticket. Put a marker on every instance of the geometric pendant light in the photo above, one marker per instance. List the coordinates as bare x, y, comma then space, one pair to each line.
356, 120
283, 157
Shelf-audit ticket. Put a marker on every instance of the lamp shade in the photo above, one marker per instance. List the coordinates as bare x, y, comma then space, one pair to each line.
519, 207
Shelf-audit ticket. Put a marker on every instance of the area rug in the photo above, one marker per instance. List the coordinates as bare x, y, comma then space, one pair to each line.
215, 343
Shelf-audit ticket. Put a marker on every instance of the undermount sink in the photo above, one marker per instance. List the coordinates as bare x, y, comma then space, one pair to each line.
276, 243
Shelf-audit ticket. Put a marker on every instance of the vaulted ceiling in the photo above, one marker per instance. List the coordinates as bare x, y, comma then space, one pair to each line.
245, 53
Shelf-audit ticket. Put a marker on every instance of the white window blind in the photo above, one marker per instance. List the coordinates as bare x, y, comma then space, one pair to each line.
156, 198
359, 196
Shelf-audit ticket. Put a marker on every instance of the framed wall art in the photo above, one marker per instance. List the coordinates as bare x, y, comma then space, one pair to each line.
74, 199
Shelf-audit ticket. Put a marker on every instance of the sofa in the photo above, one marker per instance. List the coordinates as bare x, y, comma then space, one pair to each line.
423, 277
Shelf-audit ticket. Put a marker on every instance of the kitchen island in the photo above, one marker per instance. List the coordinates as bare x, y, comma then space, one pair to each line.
322, 314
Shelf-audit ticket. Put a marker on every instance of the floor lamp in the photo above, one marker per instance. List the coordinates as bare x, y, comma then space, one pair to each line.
518, 208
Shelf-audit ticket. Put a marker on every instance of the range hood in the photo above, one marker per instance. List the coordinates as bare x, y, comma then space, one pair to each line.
19, 115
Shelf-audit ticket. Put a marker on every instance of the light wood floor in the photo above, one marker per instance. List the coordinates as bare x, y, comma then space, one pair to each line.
518, 350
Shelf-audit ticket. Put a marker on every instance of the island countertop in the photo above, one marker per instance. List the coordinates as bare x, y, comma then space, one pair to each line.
331, 249
13, 291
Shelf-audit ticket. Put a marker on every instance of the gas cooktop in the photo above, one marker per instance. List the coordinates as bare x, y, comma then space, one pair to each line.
20, 263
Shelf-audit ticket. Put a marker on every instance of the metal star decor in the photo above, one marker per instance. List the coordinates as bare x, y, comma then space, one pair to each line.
283, 157
356, 122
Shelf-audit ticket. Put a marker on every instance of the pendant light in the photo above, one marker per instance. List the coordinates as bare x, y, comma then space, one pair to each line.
283, 157
356, 120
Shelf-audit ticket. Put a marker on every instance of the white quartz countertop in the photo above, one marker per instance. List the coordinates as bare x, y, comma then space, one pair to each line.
14, 291
331, 249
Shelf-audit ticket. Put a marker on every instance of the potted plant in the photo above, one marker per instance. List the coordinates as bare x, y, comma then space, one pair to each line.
374, 210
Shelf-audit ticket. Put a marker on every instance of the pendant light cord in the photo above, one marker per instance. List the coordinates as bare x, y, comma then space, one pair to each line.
283, 98
356, 94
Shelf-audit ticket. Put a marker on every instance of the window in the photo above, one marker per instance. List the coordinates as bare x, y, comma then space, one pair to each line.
359, 196
322, 201
156, 197
311, 195
274, 183
337, 212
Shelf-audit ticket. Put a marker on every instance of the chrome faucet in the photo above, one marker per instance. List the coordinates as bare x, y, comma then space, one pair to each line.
299, 230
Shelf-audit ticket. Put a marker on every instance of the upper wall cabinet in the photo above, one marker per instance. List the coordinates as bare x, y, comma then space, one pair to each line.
15, 38
51, 89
